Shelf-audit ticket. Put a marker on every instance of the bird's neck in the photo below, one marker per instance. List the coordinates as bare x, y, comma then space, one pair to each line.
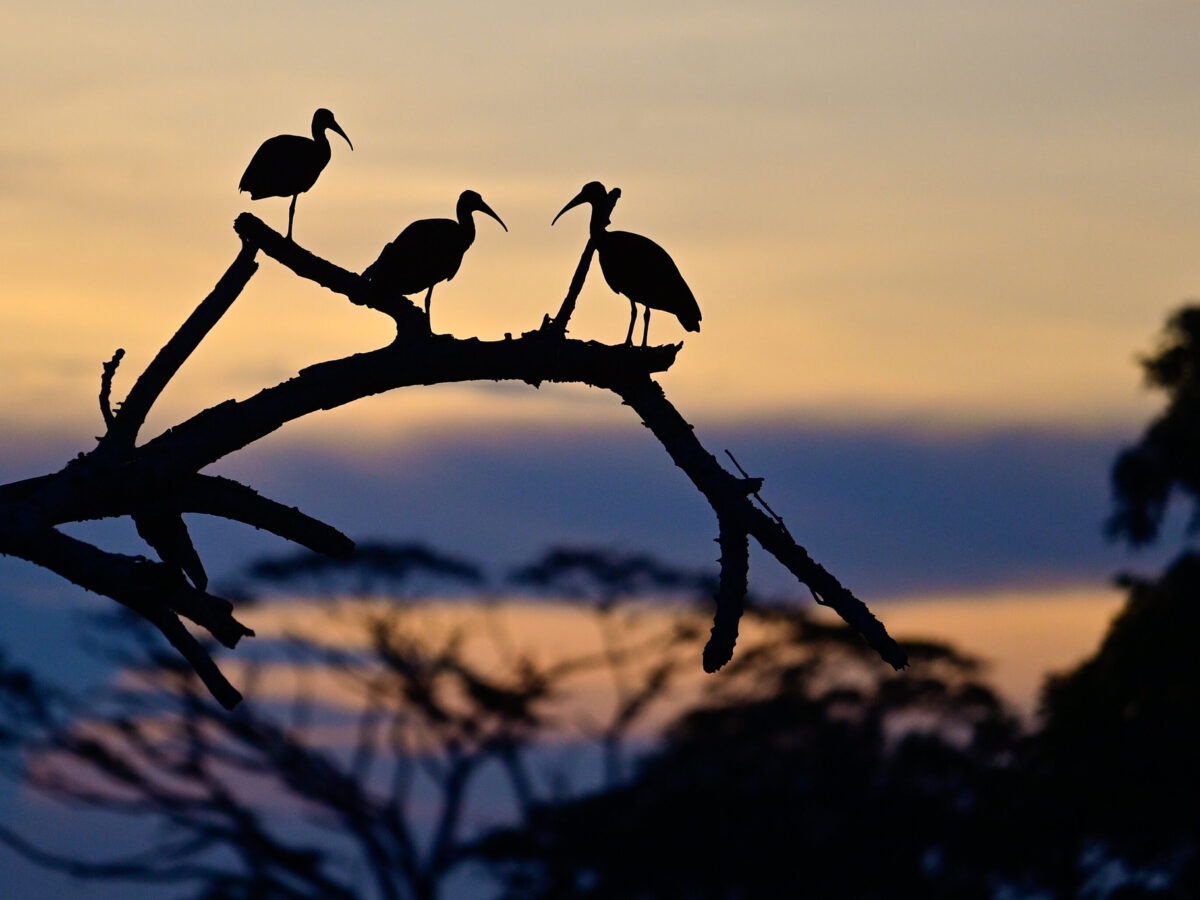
467, 223
321, 139
599, 221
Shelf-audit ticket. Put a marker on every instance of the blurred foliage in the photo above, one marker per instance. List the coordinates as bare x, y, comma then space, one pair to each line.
373, 567
353, 770
816, 774
805, 767
607, 575
1167, 456
1106, 791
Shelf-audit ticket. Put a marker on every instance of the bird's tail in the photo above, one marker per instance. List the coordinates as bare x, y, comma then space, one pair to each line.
690, 319
689, 314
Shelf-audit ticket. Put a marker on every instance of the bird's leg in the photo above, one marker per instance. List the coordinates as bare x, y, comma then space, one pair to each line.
632, 320
428, 297
291, 215
646, 327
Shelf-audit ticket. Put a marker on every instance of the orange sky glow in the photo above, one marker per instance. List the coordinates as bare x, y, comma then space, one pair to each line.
1019, 637
939, 215
944, 214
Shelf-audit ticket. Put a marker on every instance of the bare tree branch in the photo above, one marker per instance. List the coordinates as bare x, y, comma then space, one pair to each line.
728, 497
731, 595
441, 359
410, 321
230, 499
160, 479
106, 378
176, 351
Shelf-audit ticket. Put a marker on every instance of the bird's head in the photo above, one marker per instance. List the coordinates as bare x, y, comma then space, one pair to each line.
470, 201
593, 192
323, 119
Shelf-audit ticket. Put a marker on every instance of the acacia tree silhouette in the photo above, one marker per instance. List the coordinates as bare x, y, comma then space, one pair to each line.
1165, 459
1111, 779
156, 481
377, 789
790, 781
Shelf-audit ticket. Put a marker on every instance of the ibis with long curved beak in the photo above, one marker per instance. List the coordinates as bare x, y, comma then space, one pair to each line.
287, 165
428, 251
636, 266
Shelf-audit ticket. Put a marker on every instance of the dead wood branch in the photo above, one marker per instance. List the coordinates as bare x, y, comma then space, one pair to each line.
727, 494
174, 354
160, 479
106, 379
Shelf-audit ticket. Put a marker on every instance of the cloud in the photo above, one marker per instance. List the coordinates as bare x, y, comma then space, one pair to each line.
892, 511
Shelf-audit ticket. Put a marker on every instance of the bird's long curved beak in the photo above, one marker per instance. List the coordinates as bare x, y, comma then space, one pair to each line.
576, 201
484, 208
338, 128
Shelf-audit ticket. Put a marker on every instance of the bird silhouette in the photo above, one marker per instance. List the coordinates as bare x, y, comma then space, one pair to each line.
635, 266
287, 165
428, 251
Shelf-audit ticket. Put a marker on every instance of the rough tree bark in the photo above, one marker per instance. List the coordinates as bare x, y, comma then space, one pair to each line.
159, 480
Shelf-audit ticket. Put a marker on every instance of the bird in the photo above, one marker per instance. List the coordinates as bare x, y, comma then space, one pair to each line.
287, 165
635, 266
428, 251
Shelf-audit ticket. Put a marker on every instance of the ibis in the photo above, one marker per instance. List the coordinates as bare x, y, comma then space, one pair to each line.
636, 266
287, 165
428, 251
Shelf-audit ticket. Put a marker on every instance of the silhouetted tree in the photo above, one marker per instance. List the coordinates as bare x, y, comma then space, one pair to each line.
373, 566
609, 579
798, 791
368, 791
1115, 764
1167, 457
607, 576
1101, 801
155, 482
813, 775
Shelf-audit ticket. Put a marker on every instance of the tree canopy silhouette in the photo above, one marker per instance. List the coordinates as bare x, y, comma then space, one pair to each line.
1167, 456
396, 750
156, 481
373, 565
1110, 780
811, 774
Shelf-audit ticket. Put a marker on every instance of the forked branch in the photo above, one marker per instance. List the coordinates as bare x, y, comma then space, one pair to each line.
160, 479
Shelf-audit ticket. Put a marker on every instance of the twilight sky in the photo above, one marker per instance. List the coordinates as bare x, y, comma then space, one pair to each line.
928, 240
928, 243
944, 215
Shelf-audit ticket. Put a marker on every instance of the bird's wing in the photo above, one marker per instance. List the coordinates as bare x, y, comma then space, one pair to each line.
284, 165
640, 269
424, 253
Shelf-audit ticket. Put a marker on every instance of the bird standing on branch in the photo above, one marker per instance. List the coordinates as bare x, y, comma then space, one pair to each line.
287, 165
428, 251
636, 266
